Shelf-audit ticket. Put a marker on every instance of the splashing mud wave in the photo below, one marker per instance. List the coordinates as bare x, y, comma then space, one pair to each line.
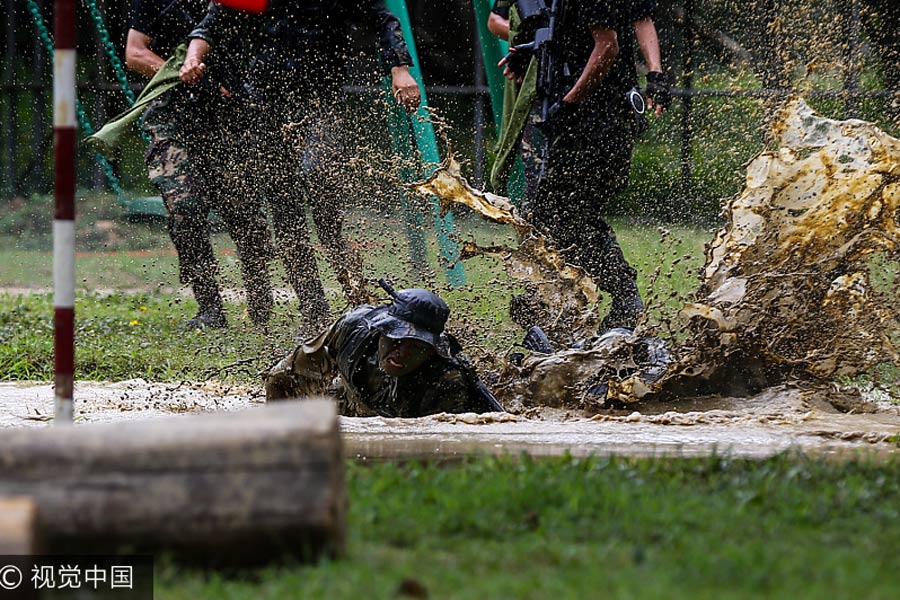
561, 296
800, 283
787, 282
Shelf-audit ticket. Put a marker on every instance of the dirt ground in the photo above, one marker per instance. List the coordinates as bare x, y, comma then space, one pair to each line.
778, 419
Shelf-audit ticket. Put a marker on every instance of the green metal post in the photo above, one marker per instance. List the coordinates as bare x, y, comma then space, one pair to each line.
427, 142
493, 49
413, 218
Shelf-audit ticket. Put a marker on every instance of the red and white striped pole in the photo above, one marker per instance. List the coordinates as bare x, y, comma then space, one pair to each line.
64, 128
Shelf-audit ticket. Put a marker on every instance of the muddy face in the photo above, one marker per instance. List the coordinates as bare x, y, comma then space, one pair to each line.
402, 357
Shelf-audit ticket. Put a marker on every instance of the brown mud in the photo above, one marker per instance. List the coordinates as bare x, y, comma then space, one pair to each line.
777, 420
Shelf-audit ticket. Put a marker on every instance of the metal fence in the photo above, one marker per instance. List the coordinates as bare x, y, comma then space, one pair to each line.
26, 91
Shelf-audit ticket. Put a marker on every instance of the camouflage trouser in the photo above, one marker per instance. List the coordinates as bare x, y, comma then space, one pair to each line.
180, 166
173, 171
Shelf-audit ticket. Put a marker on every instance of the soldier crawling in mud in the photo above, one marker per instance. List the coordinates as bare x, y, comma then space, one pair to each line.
393, 361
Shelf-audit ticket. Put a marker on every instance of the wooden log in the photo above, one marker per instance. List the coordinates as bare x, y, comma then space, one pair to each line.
221, 488
18, 526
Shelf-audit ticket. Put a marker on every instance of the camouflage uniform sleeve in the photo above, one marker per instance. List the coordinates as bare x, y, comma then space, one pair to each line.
307, 371
392, 46
450, 394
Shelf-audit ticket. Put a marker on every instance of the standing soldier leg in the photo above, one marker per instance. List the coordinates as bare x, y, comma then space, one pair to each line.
246, 223
602, 256
171, 170
236, 194
346, 262
275, 171
327, 189
297, 254
583, 175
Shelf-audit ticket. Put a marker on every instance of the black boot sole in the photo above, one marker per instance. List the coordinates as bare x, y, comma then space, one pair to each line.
537, 341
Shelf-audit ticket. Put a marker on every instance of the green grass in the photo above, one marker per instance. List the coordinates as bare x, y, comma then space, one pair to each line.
117, 339
128, 336
786, 527
725, 134
120, 270
27, 224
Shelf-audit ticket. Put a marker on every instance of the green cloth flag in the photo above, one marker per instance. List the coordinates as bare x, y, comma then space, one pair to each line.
517, 102
112, 135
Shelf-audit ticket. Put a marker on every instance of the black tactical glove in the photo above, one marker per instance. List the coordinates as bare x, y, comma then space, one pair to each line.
518, 58
658, 89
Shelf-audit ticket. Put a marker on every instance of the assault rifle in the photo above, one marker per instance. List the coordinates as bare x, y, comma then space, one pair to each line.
545, 45
543, 24
552, 71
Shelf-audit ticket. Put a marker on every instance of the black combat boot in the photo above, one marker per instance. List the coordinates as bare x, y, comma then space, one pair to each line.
626, 308
617, 278
211, 312
537, 341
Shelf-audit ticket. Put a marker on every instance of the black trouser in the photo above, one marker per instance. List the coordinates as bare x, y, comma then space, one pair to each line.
221, 150
589, 162
301, 158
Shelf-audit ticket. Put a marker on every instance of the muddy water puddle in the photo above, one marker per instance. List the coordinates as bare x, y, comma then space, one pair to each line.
776, 420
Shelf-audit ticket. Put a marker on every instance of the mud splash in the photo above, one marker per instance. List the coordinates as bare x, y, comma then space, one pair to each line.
800, 283
561, 296
788, 283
